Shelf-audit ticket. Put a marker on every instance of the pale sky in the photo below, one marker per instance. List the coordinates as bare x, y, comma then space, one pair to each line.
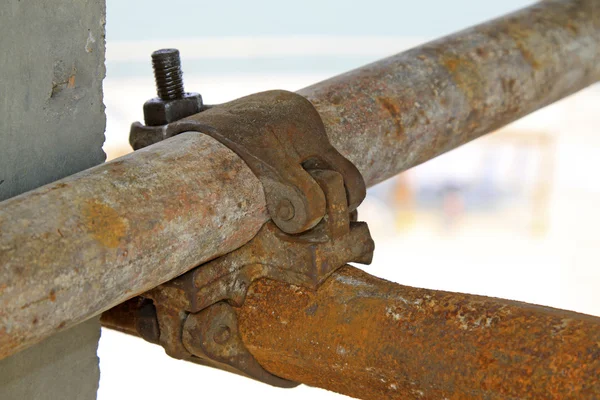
160, 19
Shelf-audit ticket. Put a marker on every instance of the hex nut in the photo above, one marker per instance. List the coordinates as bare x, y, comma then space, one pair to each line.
160, 112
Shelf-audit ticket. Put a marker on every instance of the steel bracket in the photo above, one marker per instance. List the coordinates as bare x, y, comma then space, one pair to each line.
313, 192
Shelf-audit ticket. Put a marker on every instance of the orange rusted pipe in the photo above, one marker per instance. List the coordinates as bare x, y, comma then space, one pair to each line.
372, 339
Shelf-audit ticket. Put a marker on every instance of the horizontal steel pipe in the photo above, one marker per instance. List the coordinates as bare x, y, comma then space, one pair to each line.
372, 339
396, 113
77, 247
86, 243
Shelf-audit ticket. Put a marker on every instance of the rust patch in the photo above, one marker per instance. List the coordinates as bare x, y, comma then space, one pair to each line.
467, 76
528, 55
32, 303
52, 296
105, 224
71, 82
394, 110
62, 81
451, 64
521, 35
117, 168
572, 28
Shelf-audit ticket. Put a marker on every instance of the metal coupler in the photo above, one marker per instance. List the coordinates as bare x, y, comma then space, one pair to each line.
311, 192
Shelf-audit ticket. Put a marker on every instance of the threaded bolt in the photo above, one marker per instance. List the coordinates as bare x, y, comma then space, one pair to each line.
168, 74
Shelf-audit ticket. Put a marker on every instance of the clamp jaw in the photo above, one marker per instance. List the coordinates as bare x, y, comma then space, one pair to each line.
312, 193
280, 135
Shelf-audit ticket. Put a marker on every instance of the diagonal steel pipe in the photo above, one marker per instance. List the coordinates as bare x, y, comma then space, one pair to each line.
401, 111
79, 246
371, 339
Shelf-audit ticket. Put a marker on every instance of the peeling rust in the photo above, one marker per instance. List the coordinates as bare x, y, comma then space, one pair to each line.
372, 339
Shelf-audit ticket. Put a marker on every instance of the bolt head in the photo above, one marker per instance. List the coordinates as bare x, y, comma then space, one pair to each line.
160, 112
222, 335
146, 322
285, 210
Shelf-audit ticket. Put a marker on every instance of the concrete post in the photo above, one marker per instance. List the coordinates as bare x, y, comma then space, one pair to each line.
51, 125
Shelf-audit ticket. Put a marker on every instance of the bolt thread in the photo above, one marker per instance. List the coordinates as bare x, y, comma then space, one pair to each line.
168, 74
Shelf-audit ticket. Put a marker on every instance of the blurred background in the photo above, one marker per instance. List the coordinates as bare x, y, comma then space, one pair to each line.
513, 215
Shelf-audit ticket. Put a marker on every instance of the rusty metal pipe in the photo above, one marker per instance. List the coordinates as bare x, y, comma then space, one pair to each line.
398, 112
79, 246
372, 339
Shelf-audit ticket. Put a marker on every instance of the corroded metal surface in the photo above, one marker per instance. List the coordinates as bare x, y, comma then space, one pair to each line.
373, 339
81, 245
72, 249
406, 109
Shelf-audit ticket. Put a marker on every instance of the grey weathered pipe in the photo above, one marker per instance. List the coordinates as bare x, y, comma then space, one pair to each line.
74, 248
79, 246
401, 111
